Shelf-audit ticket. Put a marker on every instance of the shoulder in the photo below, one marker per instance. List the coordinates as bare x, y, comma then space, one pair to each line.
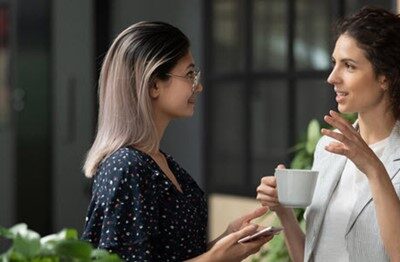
125, 163
123, 159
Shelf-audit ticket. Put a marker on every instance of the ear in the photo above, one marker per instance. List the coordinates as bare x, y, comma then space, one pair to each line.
154, 90
383, 83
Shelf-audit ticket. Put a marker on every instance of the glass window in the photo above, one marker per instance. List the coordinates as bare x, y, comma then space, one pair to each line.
315, 97
228, 145
312, 35
4, 68
354, 5
270, 35
269, 118
227, 36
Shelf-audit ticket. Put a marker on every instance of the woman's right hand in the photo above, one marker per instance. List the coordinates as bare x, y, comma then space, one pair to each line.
228, 248
267, 193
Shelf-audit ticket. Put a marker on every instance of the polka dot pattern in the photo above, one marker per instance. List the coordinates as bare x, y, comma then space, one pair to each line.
137, 212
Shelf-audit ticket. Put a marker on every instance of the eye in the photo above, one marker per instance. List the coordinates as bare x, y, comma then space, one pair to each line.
190, 74
349, 66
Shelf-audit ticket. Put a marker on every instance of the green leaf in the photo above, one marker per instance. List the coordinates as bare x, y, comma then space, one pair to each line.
46, 259
27, 244
101, 255
302, 160
15, 256
65, 234
350, 117
74, 249
109, 258
4, 232
313, 135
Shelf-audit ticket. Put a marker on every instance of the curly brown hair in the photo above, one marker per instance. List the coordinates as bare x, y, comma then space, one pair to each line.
377, 32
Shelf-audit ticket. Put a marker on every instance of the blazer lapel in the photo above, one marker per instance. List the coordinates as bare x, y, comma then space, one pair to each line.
329, 177
391, 160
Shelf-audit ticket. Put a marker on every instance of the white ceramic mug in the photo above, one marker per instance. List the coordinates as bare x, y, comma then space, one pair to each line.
295, 187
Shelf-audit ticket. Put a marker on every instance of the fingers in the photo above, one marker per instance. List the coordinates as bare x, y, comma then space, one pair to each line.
267, 187
335, 120
267, 193
268, 181
254, 214
281, 166
337, 148
255, 245
248, 230
335, 135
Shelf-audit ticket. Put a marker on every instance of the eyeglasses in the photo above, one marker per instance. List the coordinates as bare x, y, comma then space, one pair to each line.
193, 77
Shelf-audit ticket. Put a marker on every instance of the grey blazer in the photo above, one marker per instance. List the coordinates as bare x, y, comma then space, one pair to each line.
362, 234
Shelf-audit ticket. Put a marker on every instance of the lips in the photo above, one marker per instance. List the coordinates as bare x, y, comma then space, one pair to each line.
192, 100
340, 95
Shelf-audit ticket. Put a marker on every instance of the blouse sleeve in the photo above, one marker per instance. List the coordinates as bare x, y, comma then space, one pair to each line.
127, 203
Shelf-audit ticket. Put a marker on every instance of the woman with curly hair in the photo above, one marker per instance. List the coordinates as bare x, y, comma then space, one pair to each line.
355, 211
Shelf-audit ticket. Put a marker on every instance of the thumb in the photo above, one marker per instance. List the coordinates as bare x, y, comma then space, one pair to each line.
281, 166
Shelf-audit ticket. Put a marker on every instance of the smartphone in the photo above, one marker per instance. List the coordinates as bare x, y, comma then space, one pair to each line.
264, 232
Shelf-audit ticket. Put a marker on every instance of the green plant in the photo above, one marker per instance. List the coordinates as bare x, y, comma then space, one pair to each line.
63, 246
303, 159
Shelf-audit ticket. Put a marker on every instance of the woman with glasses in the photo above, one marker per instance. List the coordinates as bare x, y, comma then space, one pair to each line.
145, 206
355, 211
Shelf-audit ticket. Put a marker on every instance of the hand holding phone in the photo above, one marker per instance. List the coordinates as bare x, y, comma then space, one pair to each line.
262, 233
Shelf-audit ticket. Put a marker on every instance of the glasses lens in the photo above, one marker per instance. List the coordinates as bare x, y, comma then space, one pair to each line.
197, 78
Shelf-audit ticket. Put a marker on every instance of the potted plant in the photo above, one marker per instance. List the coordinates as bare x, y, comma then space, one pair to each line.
27, 245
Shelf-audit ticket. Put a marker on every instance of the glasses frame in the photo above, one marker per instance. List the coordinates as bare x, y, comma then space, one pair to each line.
195, 80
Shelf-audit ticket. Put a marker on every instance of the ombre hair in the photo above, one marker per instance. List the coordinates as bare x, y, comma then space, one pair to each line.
142, 53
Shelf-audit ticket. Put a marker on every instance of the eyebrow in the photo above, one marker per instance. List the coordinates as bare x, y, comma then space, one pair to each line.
191, 65
344, 60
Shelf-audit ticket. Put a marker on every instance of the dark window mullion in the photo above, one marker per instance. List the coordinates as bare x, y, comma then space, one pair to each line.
291, 125
207, 82
248, 85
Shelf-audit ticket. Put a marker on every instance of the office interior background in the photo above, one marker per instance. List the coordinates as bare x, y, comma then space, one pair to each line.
264, 64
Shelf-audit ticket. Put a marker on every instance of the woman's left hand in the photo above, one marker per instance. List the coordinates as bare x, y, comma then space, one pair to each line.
350, 144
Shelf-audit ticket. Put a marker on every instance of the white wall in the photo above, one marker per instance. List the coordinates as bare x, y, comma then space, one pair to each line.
183, 138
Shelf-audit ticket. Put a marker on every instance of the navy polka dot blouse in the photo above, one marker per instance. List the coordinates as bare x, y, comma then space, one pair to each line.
137, 212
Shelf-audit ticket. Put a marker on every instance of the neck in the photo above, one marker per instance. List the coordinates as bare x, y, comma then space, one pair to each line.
161, 123
376, 126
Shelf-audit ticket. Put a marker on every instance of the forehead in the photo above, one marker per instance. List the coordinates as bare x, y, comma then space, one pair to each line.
185, 61
346, 47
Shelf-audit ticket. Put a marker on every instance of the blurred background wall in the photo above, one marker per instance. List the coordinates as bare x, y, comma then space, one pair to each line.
264, 61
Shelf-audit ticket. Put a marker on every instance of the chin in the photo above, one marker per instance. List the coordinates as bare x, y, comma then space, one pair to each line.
187, 114
345, 110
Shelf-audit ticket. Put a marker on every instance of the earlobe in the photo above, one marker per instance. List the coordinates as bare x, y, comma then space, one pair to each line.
154, 91
383, 83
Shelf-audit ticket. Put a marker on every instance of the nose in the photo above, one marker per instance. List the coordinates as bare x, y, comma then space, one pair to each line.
198, 88
333, 77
